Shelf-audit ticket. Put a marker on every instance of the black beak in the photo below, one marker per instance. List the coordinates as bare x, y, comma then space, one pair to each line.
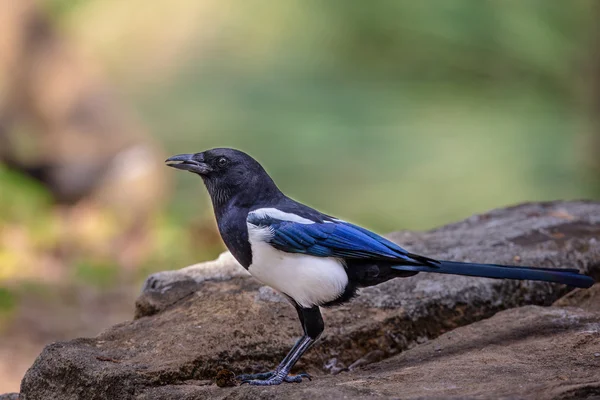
189, 162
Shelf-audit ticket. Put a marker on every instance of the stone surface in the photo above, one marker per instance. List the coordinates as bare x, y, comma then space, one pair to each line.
195, 322
162, 289
588, 299
525, 353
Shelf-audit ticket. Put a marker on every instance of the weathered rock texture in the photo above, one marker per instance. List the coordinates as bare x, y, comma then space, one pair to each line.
529, 352
189, 326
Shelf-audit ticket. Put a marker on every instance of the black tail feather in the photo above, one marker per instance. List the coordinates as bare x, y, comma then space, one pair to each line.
570, 277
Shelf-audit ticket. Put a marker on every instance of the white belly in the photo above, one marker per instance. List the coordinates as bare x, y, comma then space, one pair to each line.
309, 280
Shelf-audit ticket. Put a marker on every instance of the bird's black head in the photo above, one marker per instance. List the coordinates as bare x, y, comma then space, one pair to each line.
228, 174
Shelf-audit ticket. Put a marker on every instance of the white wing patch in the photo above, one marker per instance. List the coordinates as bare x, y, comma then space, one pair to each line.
281, 215
309, 280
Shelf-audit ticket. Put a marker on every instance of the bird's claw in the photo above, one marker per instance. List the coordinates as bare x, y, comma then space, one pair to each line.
297, 378
272, 378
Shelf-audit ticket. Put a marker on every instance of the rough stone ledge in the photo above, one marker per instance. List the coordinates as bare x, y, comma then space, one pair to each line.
193, 322
530, 352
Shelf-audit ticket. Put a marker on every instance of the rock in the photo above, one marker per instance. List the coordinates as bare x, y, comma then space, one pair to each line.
588, 299
165, 288
225, 378
223, 268
195, 322
526, 353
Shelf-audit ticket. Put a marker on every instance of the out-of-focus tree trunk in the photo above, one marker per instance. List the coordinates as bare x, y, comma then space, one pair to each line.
60, 124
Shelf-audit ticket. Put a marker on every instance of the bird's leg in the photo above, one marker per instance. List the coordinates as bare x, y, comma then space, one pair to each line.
312, 323
281, 373
266, 375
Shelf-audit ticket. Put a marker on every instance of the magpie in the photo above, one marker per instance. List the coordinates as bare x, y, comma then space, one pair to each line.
313, 259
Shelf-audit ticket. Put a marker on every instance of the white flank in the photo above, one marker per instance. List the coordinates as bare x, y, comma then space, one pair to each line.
309, 280
281, 215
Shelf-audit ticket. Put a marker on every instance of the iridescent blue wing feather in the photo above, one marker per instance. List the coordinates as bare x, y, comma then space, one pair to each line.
335, 238
332, 238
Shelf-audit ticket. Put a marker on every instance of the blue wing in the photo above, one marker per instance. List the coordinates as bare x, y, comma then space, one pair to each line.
332, 238
318, 235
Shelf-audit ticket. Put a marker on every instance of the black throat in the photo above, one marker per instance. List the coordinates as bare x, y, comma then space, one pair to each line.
231, 206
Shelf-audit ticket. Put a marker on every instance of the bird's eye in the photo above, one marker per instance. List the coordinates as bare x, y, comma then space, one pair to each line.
221, 162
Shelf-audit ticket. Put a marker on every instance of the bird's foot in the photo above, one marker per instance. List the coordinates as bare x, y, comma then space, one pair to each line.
272, 378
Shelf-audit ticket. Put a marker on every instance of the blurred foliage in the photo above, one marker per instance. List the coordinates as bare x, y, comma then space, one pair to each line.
26, 224
38, 241
7, 300
22, 198
96, 274
8, 303
59, 8
396, 115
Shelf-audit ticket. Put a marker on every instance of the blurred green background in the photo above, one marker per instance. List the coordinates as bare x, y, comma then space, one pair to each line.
393, 114
397, 115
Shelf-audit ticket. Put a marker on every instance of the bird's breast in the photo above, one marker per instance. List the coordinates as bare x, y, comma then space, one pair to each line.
309, 280
233, 230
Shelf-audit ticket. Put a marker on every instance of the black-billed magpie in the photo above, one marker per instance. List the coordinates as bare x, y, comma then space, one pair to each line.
313, 259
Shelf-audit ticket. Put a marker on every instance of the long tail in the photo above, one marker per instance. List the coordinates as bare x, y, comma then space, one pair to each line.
570, 277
